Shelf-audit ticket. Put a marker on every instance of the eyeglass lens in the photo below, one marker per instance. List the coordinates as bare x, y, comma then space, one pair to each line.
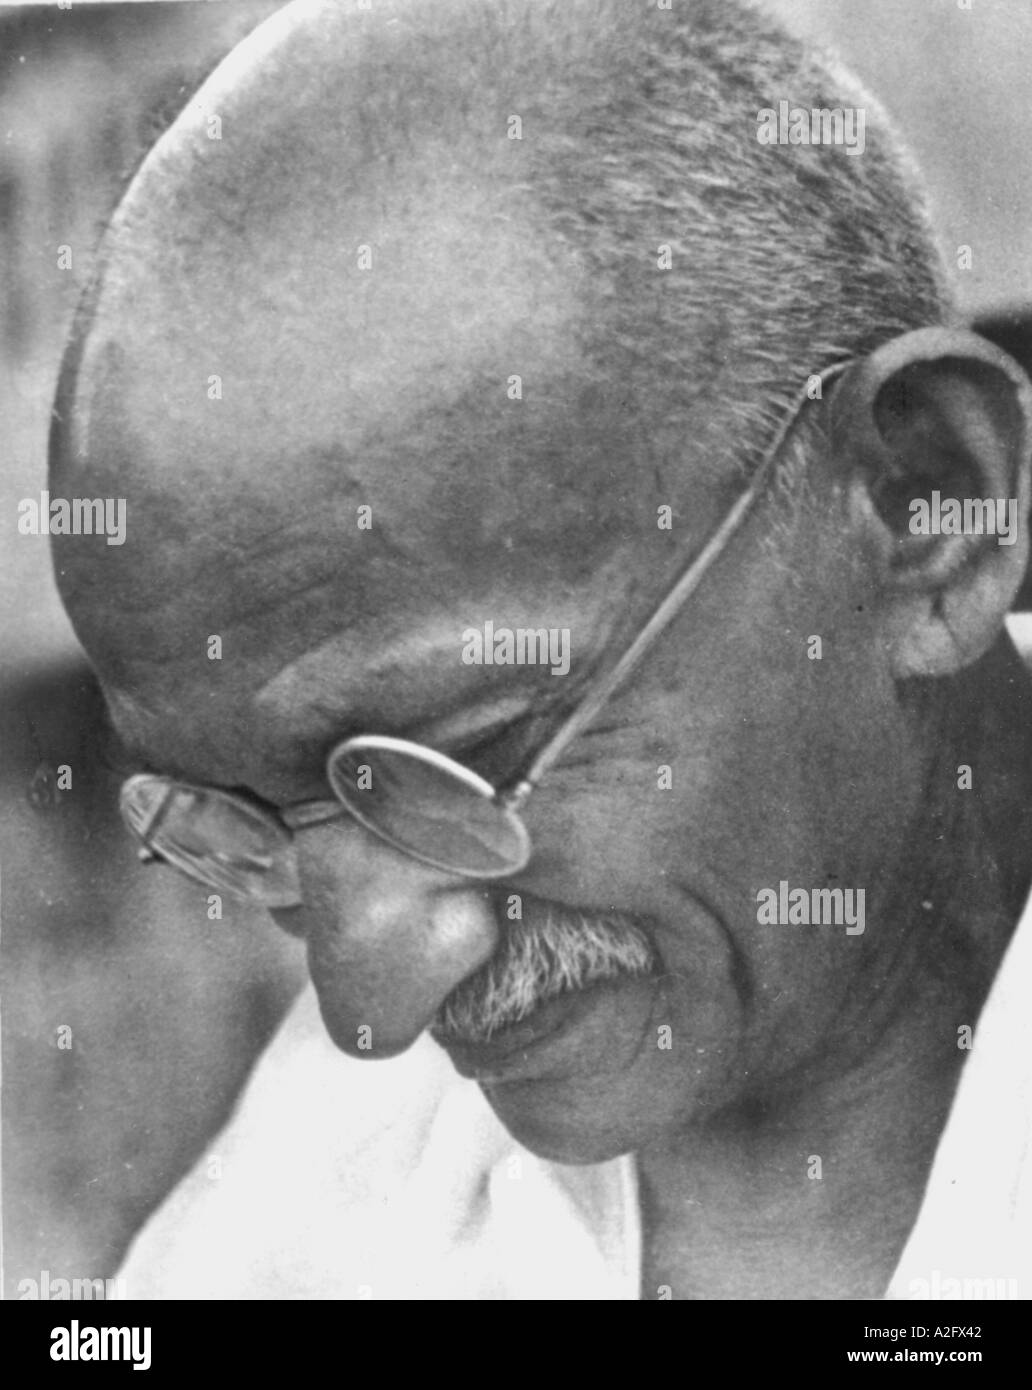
429, 806
214, 837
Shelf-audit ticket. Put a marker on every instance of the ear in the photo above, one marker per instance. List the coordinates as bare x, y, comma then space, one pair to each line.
933, 432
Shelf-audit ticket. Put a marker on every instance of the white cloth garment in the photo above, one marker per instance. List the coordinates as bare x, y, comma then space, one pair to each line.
339, 1178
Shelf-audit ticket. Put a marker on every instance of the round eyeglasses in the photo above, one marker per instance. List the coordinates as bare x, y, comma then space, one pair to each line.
417, 800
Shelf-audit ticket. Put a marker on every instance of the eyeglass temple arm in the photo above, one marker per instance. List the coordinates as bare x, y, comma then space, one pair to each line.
682, 588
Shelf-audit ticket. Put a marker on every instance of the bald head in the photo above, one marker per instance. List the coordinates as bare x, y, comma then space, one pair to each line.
419, 271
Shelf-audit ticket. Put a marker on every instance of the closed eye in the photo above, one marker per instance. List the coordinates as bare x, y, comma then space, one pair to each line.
500, 753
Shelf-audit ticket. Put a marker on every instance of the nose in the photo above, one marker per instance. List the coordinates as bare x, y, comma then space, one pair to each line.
388, 938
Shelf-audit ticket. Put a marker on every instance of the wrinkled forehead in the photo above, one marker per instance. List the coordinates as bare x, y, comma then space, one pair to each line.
267, 500
297, 471
297, 565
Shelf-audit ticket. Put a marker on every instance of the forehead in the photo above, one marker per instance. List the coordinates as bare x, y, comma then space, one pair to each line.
336, 559
268, 506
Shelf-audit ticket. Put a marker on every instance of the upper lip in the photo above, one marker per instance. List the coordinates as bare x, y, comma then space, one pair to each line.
514, 1037
513, 1049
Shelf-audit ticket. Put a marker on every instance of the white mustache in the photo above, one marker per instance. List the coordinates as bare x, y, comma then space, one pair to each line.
561, 951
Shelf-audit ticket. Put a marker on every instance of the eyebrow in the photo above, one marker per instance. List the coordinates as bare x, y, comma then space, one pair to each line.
472, 723
451, 731
461, 729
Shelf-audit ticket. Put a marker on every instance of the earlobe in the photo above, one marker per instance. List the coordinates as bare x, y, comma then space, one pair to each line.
933, 434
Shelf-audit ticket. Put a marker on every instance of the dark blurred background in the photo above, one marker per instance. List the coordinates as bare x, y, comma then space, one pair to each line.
168, 1013
129, 1019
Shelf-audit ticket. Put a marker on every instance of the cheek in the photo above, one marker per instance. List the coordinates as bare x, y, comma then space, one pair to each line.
706, 793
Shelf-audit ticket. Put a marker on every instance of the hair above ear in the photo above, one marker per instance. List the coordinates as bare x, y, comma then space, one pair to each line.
933, 433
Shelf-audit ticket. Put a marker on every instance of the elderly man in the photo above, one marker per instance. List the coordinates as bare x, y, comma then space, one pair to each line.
530, 595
